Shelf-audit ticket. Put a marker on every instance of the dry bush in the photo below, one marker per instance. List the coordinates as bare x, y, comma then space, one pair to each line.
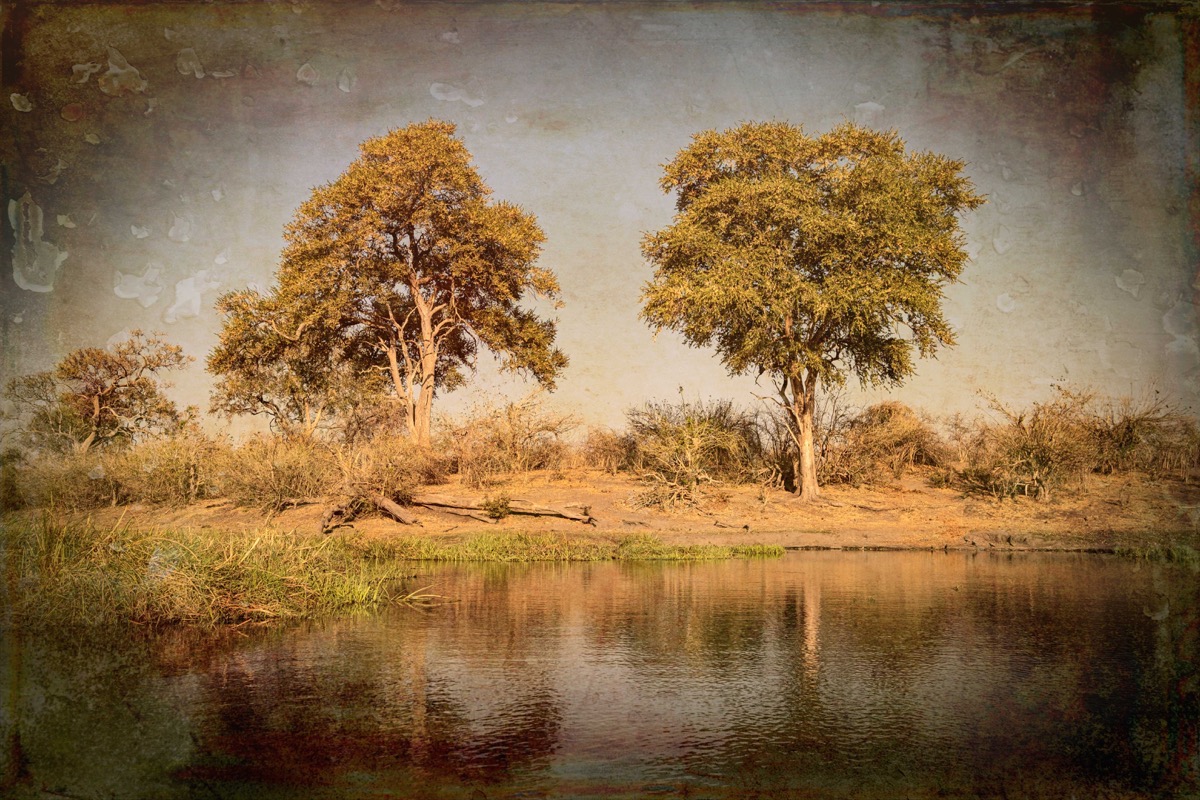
11, 461
606, 450
685, 450
177, 470
1030, 452
1146, 435
72, 481
518, 437
389, 465
776, 462
880, 442
1036, 450
271, 472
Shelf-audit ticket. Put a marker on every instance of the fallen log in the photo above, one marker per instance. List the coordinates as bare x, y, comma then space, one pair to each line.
478, 511
394, 510
336, 517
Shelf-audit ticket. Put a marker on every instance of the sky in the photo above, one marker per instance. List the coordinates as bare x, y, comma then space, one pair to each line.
152, 154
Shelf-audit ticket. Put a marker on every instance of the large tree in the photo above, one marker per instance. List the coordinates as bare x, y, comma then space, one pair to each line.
96, 397
808, 258
403, 265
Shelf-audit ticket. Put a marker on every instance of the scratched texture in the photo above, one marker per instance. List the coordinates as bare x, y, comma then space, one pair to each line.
153, 152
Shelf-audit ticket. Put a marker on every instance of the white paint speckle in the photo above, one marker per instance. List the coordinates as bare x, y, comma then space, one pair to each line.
1131, 281
450, 93
144, 288
189, 293
84, 71
1002, 241
308, 74
188, 63
868, 113
121, 77
1006, 303
35, 262
20, 102
181, 228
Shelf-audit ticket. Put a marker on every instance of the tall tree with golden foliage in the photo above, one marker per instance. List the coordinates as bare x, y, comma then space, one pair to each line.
402, 269
808, 258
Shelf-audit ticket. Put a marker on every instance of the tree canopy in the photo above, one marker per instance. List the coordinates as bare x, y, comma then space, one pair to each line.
301, 381
397, 273
97, 397
809, 258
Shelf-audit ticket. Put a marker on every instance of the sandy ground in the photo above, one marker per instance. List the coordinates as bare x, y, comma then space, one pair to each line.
1100, 513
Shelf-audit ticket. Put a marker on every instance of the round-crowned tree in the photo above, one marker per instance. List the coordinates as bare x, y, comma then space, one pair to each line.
808, 259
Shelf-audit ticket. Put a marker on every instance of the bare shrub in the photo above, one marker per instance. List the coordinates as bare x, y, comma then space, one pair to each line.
1146, 435
72, 481
179, 469
685, 450
605, 449
1031, 452
518, 437
271, 472
882, 441
391, 466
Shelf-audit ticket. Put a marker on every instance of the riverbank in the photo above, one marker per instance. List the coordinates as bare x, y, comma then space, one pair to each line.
1103, 513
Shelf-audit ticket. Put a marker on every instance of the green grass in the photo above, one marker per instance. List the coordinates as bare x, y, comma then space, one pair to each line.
78, 573
1171, 553
525, 547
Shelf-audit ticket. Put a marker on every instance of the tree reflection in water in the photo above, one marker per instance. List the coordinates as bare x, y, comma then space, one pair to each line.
817, 675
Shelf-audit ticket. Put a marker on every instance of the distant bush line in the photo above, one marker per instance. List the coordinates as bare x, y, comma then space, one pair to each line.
684, 453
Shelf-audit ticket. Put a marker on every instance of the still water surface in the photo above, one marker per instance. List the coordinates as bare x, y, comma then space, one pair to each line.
821, 674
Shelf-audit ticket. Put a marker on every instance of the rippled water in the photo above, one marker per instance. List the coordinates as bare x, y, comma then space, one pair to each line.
816, 675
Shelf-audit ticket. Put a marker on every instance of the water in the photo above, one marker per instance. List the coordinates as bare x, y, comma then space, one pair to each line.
840, 675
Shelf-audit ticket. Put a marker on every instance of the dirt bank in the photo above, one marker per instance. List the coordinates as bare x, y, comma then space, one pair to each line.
1100, 513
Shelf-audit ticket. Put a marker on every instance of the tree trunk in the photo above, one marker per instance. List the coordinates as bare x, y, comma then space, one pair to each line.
806, 480
422, 415
805, 403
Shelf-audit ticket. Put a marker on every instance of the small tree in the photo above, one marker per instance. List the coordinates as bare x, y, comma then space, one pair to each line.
300, 380
97, 397
808, 258
403, 267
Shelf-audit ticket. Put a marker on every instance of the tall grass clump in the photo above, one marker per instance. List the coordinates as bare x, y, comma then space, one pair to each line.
880, 442
518, 437
176, 470
1029, 452
271, 472
78, 573
1145, 435
389, 465
605, 449
11, 461
684, 451
67, 481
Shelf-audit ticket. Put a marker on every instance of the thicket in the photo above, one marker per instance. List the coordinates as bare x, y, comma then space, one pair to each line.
493, 442
685, 453
1037, 450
